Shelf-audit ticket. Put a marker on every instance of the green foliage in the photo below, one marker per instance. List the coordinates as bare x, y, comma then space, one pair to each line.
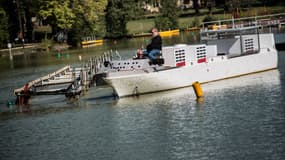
118, 14
89, 20
89, 15
196, 6
115, 19
132, 9
59, 12
169, 15
162, 23
209, 18
3, 27
196, 22
81, 17
46, 43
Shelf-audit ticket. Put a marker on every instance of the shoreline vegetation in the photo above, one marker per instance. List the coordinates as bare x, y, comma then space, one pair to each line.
187, 21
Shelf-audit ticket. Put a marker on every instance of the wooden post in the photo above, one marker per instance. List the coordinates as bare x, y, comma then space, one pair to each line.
9, 45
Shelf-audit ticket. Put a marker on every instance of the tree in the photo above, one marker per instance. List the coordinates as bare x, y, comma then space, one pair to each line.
80, 17
31, 9
116, 22
89, 19
196, 6
58, 13
210, 4
220, 3
3, 27
169, 15
89, 14
118, 13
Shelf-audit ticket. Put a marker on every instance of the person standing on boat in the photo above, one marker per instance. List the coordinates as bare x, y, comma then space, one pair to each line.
154, 47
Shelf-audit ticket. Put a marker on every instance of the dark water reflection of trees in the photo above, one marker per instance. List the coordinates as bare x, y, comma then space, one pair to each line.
28, 58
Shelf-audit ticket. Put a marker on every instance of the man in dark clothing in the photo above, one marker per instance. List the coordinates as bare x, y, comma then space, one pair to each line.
154, 48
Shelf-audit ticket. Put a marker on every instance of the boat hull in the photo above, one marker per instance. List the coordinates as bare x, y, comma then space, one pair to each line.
216, 68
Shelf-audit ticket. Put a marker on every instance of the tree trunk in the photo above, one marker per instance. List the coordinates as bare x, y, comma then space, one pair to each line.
196, 6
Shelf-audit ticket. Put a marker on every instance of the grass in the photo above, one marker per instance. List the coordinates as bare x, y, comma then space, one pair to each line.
140, 26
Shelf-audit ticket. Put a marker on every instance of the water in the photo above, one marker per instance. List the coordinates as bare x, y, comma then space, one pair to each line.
240, 118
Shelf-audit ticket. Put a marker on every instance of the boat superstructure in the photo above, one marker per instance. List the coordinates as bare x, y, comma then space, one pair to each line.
226, 53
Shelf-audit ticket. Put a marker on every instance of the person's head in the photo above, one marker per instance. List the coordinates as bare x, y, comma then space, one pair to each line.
154, 32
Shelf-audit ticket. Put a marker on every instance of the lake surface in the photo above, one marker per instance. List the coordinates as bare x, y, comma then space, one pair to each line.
239, 118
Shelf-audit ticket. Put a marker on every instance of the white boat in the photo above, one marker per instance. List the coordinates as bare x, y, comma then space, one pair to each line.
227, 53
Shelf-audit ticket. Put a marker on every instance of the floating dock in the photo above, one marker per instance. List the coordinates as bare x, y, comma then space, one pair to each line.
169, 33
68, 81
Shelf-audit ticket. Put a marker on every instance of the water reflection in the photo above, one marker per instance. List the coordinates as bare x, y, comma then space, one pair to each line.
35, 58
11, 63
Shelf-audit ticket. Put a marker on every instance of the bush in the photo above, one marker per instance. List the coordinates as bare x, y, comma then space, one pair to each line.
209, 18
162, 23
46, 43
196, 22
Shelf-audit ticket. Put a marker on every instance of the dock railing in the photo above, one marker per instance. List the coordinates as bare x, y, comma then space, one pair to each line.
38, 80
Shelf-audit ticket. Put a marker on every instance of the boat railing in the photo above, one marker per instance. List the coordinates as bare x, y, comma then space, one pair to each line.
91, 37
265, 20
247, 38
228, 33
